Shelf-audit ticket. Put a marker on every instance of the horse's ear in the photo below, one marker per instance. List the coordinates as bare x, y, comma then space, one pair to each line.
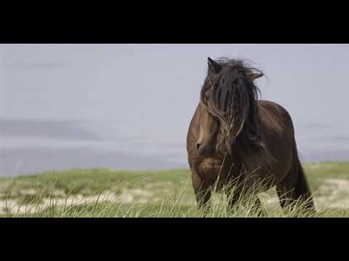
213, 66
252, 75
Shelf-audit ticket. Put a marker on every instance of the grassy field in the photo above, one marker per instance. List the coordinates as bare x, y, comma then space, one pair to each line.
106, 193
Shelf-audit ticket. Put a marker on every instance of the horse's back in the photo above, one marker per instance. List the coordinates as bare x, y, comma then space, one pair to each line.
275, 118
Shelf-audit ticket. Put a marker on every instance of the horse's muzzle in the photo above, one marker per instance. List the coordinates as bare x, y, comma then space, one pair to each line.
203, 151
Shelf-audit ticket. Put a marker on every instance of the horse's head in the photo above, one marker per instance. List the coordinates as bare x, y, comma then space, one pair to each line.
227, 105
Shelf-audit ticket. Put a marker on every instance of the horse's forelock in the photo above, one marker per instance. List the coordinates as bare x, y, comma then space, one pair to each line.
232, 100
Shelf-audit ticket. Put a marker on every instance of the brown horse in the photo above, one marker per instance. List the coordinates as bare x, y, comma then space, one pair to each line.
237, 141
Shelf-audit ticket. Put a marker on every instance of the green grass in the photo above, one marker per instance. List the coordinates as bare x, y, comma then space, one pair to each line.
150, 194
317, 172
93, 181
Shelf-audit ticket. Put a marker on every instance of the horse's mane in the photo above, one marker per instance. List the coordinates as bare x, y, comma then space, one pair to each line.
233, 100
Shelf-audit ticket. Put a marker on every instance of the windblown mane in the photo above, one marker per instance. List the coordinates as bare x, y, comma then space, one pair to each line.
231, 97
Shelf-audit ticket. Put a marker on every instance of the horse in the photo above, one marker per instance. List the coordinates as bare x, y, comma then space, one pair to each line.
238, 141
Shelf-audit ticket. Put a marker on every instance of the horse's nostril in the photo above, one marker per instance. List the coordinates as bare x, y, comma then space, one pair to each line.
198, 145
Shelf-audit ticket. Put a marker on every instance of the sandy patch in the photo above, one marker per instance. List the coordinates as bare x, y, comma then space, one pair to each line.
338, 194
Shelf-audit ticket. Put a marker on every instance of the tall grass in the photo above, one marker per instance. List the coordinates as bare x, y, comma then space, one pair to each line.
105, 193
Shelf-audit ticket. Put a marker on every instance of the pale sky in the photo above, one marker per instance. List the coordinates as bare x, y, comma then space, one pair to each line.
148, 92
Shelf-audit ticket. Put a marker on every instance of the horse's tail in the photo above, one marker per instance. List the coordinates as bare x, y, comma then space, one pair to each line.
297, 186
294, 190
302, 190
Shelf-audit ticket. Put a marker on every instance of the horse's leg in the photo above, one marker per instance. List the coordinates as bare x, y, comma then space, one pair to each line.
294, 189
233, 196
236, 197
257, 207
202, 192
234, 201
240, 191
